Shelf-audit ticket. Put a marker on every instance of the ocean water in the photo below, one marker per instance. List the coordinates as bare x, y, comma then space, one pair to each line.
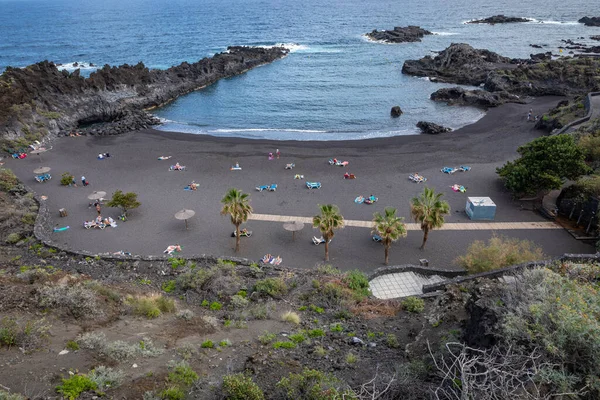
335, 84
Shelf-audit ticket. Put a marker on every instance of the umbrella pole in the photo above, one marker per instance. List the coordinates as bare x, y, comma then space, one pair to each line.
293, 235
186, 224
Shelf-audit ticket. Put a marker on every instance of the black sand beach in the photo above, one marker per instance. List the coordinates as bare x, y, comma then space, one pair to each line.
382, 167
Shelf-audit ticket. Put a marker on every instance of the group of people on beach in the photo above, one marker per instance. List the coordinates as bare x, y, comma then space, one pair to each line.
277, 153
530, 116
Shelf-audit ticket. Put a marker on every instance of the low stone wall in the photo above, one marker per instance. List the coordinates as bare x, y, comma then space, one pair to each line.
587, 104
514, 269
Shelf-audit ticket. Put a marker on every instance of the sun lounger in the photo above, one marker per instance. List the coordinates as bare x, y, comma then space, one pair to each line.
271, 188
236, 167
313, 185
317, 241
164, 157
359, 200
191, 186
464, 168
376, 238
417, 178
290, 166
177, 167
43, 178
94, 224
298, 176
448, 170
342, 163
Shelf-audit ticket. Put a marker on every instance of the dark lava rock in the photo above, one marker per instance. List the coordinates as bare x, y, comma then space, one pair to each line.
477, 98
431, 128
399, 34
111, 100
499, 19
459, 63
396, 111
535, 46
541, 56
597, 37
590, 21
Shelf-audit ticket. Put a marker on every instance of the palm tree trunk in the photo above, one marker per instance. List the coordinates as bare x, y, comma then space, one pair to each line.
326, 250
425, 234
237, 238
387, 253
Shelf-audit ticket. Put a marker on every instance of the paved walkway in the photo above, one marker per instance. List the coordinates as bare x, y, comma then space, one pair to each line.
401, 284
456, 226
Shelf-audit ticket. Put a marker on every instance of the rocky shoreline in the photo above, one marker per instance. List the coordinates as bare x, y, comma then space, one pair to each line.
399, 34
39, 100
503, 79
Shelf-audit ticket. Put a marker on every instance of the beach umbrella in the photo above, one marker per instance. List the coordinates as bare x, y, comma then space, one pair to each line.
42, 170
185, 215
293, 226
97, 195
39, 151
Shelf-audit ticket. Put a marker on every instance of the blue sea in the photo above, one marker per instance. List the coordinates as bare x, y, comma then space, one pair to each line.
334, 85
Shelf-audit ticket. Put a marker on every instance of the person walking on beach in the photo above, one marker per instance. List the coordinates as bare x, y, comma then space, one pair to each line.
529, 116
83, 181
278, 153
98, 208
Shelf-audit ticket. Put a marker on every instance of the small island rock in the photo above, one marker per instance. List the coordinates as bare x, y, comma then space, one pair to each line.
399, 34
396, 111
590, 21
499, 19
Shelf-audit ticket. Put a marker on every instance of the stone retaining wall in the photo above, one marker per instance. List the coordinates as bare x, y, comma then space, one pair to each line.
395, 269
587, 104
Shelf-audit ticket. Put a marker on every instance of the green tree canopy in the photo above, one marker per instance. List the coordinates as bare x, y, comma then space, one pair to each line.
328, 222
389, 227
236, 204
125, 201
544, 163
428, 209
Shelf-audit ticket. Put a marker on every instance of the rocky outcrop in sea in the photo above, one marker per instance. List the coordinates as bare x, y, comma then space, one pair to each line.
40, 100
504, 79
459, 63
399, 34
590, 21
499, 19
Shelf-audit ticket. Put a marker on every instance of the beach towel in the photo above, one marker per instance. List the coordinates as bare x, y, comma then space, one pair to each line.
64, 228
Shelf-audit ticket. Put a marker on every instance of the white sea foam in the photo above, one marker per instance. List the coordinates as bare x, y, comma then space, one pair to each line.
84, 66
445, 33
292, 47
552, 22
266, 130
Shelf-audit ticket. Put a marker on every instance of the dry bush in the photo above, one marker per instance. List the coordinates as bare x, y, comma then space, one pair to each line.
499, 252
152, 306
373, 308
76, 300
117, 350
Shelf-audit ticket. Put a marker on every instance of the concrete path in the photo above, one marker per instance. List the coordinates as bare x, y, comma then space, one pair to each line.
457, 226
401, 284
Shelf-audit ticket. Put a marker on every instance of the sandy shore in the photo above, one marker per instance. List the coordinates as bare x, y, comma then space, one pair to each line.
382, 167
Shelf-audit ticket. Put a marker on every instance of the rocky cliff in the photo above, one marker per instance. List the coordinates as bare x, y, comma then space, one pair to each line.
40, 100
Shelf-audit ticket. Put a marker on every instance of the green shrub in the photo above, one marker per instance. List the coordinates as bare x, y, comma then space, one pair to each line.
182, 375
225, 343
177, 262
320, 351
303, 308
13, 238
314, 333
328, 269
590, 145
271, 287
169, 286
318, 310
351, 358
72, 345
314, 385
106, 378
290, 316
172, 393
267, 337
205, 303
8, 180
413, 304
151, 306
392, 341
499, 252
10, 396
165, 304
358, 282
207, 344
27, 335
238, 301
67, 179
337, 327
215, 306
241, 387
28, 219
74, 386
284, 345
297, 338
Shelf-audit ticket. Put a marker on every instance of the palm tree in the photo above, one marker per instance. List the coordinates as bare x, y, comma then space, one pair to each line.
429, 210
389, 227
329, 220
236, 204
